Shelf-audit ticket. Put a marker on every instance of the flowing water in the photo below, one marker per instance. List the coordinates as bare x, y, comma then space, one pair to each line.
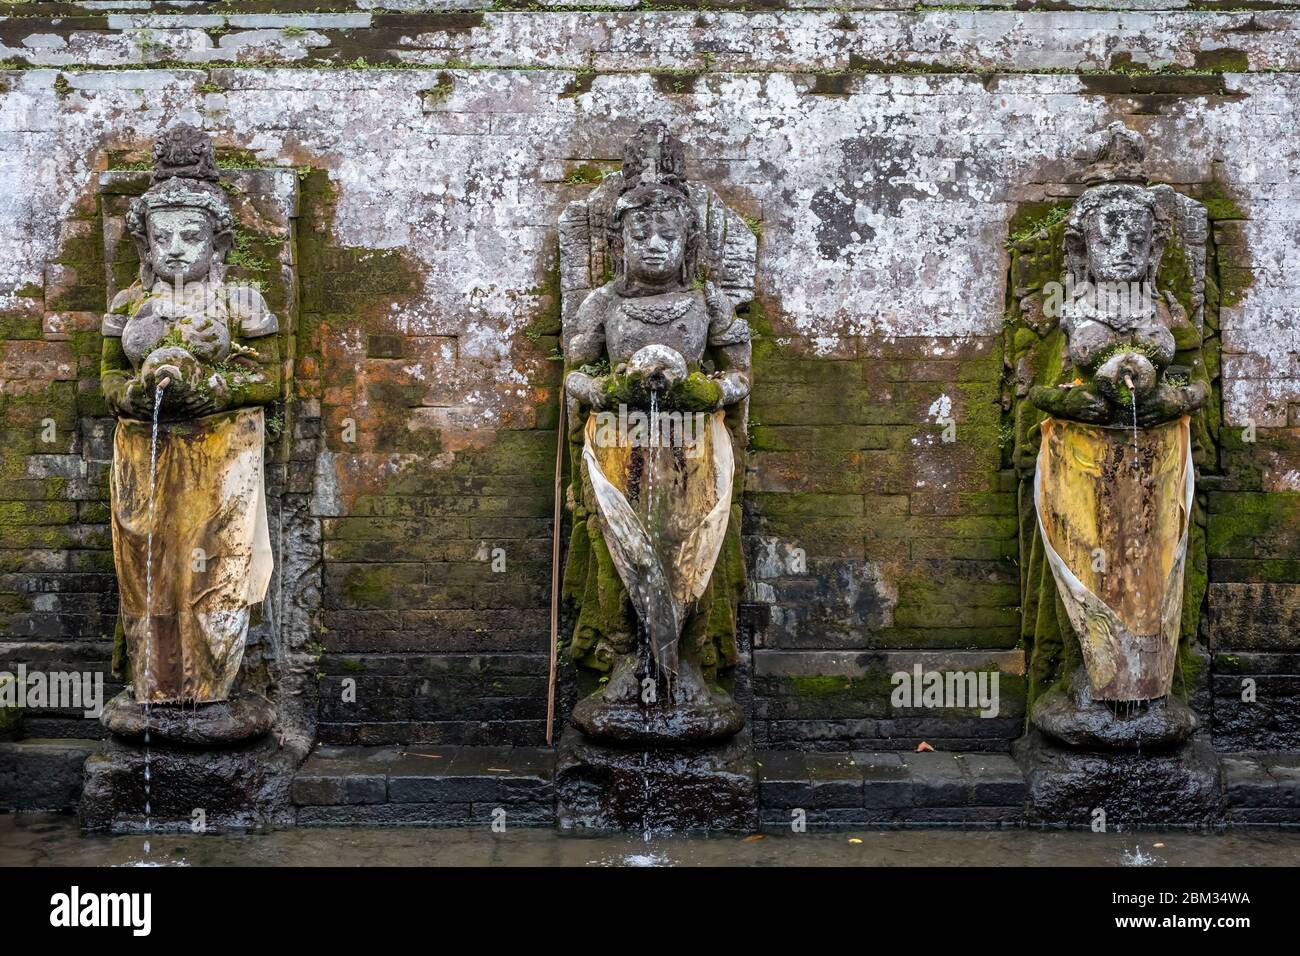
41, 839
652, 530
148, 610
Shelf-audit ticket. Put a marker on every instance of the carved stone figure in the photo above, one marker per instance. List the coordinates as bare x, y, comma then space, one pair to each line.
1113, 487
188, 362
1119, 326
655, 357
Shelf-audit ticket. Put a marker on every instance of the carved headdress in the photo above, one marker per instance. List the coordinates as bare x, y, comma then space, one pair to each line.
185, 176
1115, 177
654, 169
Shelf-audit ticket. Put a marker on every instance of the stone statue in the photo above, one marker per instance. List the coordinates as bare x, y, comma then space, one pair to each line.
655, 357
188, 361
1119, 326
1113, 487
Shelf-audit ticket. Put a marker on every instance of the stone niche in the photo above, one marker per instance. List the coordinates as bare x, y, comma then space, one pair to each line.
198, 763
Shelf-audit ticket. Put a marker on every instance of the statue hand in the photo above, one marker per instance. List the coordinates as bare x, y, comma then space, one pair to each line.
201, 401
1080, 403
697, 393
134, 401
587, 389
1170, 402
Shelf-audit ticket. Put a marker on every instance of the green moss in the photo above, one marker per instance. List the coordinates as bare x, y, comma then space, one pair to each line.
439, 92
370, 587
1223, 60
695, 393
586, 173
1035, 218
1219, 203
817, 685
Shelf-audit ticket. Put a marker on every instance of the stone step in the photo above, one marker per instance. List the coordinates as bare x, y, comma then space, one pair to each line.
887, 787
1263, 789
435, 786
472, 786
43, 773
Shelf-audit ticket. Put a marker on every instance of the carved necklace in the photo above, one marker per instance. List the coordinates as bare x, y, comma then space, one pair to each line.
660, 314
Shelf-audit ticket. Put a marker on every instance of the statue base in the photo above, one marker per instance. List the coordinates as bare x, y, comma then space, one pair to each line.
1073, 718
1134, 789
241, 787
218, 724
687, 787
690, 712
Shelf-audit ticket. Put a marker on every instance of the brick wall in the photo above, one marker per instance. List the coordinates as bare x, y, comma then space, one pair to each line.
880, 155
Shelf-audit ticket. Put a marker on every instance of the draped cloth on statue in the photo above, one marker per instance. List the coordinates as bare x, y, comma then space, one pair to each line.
664, 511
1115, 537
211, 550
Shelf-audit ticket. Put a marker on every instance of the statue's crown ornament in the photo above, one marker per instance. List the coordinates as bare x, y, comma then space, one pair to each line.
653, 156
654, 170
184, 151
1114, 155
185, 176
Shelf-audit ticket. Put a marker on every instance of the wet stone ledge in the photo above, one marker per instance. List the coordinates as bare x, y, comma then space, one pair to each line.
890, 789
437, 786
1263, 789
43, 773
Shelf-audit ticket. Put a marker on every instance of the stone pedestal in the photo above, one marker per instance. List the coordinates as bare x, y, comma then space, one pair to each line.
242, 718
1136, 789
703, 787
236, 787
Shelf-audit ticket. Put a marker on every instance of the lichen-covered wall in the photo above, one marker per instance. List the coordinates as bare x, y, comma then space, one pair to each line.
884, 157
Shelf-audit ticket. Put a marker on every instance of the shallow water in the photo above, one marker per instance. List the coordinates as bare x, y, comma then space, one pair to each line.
54, 840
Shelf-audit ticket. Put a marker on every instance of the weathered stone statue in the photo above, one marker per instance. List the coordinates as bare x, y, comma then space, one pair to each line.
1119, 326
188, 362
1113, 487
655, 357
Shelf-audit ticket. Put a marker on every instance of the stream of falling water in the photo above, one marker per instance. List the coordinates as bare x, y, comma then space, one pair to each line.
652, 462
1133, 407
148, 611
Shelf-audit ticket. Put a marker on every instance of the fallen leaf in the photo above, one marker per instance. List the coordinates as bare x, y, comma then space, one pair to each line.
924, 748
854, 840
754, 838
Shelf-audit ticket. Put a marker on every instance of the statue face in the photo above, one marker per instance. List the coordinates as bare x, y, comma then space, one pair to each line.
654, 245
181, 244
1119, 241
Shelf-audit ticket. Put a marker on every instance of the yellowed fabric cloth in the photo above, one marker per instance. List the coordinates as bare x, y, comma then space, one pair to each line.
1116, 540
212, 555
664, 513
